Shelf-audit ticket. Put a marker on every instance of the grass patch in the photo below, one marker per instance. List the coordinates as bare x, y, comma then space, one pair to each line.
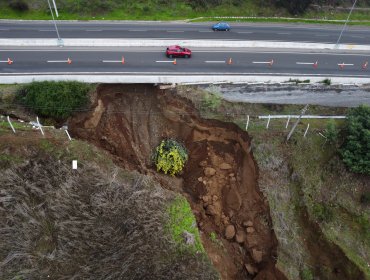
182, 219
177, 10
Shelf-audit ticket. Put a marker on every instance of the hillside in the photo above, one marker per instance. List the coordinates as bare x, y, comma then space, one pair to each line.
165, 10
265, 209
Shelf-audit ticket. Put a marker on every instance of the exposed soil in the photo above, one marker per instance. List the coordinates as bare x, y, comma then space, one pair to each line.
220, 179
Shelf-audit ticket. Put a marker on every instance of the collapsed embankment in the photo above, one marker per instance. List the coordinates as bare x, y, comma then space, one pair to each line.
220, 179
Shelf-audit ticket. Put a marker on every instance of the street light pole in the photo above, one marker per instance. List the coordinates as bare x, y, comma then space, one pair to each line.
345, 24
60, 41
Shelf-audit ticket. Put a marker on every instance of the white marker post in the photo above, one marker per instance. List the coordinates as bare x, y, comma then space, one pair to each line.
10, 123
308, 126
74, 164
69, 137
40, 126
287, 123
246, 126
268, 122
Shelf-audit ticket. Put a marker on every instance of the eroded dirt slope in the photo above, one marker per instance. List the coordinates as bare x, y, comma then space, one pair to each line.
220, 179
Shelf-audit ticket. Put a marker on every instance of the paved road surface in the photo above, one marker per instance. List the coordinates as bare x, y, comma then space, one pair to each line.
159, 30
338, 96
203, 61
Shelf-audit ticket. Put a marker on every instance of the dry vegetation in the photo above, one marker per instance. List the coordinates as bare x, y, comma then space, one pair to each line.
91, 223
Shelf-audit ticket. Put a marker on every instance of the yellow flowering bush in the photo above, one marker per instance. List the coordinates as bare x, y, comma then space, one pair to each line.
170, 157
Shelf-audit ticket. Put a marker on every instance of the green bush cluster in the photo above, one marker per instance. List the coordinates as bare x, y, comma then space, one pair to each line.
212, 100
55, 100
356, 149
170, 157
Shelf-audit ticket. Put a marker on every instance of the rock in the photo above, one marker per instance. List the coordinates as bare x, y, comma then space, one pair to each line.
250, 269
233, 199
257, 255
225, 166
204, 182
205, 198
230, 232
250, 229
252, 240
209, 171
188, 238
200, 179
232, 179
231, 175
240, 236
211, 210
215, 197
248, 223
203, 163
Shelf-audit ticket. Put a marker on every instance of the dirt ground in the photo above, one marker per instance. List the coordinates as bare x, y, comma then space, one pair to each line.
220, 179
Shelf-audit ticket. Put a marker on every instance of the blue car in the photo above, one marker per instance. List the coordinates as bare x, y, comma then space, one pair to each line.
221, 26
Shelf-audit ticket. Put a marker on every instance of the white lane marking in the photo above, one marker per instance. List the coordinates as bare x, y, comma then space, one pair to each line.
356, 36
4, 29
322, 35
345, 64
283, 33
46, 30
215, 61
306, 63
164, 61
245, 32
261, 62
205, 31
93, 30
138, 30
111, 61
173, 31
57, 61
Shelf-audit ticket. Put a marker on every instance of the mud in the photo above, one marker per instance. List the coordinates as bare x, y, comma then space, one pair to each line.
220, 179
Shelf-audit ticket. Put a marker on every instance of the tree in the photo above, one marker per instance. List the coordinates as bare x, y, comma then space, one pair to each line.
295, 7
356, 149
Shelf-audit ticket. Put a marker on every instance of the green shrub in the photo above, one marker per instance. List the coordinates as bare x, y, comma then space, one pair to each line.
331, 131
326, 82
170, 157
356, 149
212, 100
18, 5
322, 212
56, 100
306, 274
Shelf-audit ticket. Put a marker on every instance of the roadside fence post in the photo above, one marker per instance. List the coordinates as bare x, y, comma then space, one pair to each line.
10, 123
69, 137
268, 122
287, 123
308, 126
246, 126
40, 126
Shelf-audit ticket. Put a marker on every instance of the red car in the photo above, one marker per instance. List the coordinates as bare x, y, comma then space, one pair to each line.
177, 51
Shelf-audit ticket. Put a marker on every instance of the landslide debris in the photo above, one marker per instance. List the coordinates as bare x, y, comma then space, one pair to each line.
220, 179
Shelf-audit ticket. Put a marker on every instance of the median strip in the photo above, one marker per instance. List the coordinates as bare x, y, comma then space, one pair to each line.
132, 42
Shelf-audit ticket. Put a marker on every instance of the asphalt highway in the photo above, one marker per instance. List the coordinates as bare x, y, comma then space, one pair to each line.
151, 61
160, 30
